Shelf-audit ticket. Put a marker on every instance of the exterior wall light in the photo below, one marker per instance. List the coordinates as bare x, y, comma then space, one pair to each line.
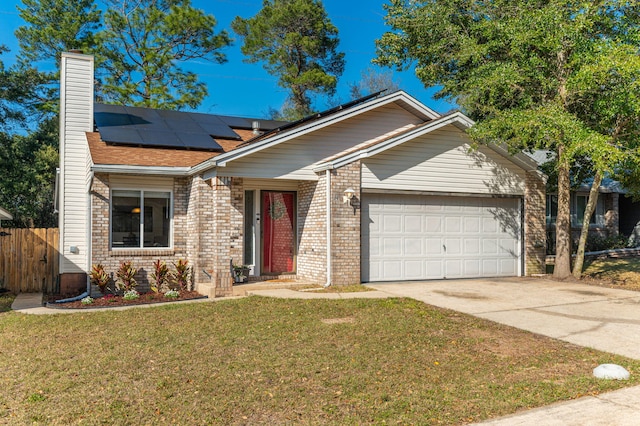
349, 193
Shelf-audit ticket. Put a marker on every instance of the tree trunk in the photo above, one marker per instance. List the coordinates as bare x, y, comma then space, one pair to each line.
562, 268
588, 211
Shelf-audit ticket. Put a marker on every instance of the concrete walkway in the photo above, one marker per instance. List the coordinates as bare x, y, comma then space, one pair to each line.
596, 317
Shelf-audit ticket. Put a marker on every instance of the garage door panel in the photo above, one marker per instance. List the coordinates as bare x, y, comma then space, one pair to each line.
472, 266
414, 269
433, 246
453, 224
429, 237
434, 224
472, 246
391, 269
472, 225
413, 224
490, 267
391, 247
413, 247
392, 223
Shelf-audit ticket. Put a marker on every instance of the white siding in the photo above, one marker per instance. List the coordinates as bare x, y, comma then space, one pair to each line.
140, 182
269, 184
76, 118
295, 159
441, 162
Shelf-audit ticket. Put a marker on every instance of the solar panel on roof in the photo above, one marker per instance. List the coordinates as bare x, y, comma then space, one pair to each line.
160, 128
214, 126
195, 140
120, 135
160, 138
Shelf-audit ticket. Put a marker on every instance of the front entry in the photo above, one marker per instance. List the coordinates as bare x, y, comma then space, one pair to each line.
278, 232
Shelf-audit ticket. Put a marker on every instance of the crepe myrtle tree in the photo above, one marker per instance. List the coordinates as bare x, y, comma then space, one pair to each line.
534, 74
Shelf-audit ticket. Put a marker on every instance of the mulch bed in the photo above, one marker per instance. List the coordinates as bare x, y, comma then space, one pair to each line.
115, 300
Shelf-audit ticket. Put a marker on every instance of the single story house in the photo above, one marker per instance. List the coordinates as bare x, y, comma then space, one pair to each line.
4, 215
379, 189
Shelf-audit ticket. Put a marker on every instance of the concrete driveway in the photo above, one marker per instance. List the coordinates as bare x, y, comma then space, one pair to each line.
597, 317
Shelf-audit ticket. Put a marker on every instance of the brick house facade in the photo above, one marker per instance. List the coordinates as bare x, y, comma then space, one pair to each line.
296, 200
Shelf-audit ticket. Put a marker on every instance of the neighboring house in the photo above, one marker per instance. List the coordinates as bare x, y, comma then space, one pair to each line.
4, 215
615, 212
379, 189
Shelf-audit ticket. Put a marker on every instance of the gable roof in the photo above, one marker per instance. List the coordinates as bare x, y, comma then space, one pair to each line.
320, 121
455, 118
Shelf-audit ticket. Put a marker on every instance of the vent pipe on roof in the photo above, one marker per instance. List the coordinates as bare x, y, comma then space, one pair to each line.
256, 127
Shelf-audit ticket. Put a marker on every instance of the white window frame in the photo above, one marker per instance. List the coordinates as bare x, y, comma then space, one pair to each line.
598, 213
141, 189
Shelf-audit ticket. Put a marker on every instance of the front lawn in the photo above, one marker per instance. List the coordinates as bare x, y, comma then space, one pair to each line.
277, 361
618, 273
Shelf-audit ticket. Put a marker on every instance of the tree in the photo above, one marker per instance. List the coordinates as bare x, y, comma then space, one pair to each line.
523, 70
20, 93
371, 81
56, 26
28, 175
142, 44
296, 42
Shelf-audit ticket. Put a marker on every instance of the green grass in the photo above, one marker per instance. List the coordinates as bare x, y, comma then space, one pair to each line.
275, 361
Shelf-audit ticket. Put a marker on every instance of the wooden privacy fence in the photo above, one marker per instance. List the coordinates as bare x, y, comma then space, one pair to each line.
29, 259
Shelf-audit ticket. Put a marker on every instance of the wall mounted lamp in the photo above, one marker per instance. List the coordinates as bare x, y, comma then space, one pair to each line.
349, 193
351, 198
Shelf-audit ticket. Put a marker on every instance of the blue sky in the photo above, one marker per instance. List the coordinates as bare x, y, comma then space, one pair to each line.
240, 89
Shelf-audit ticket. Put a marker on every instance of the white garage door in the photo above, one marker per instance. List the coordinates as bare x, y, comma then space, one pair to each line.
411, 237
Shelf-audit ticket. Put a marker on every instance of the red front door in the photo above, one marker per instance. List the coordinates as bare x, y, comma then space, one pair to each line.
278, 232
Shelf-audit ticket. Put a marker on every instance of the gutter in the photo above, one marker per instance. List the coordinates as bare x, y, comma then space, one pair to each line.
142, 170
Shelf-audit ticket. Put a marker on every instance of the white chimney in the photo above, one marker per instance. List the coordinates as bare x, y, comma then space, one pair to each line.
76, 118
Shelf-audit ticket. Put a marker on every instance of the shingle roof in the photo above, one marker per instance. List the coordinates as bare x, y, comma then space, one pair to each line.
103, 153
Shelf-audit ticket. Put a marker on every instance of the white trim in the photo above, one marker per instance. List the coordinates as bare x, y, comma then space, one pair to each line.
142, 170
313, 125
456, 118
141, 189
394, 141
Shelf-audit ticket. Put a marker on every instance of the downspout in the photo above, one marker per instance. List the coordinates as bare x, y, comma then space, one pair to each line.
328, 225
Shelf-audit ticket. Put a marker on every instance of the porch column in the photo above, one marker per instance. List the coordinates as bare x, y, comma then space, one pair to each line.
345, 226
535, 238
221, 242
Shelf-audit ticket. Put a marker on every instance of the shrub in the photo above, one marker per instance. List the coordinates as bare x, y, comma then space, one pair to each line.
182, 275
131, 295
160, 277
172, 294
125, 275
598, 243
100, 278
87, 300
